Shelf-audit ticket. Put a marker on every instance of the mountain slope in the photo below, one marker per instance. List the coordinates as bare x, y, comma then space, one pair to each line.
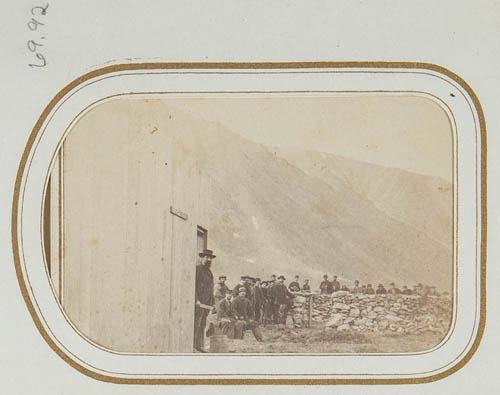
268, 216
423, 202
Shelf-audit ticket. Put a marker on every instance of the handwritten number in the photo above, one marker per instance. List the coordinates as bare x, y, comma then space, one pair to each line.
33, 45
40, 57
33, 24
42, 12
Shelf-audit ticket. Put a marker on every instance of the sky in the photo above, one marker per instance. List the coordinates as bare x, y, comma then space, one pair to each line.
407, 132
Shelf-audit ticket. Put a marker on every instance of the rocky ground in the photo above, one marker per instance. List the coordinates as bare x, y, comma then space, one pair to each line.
346, 322
318, 339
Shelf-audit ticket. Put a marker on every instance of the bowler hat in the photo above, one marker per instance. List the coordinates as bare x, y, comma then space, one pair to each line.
222, 278
242, 289
208, 253
281, 277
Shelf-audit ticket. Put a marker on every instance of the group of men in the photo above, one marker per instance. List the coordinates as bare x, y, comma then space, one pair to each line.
250, 303
253, 302
270, 301
329, 287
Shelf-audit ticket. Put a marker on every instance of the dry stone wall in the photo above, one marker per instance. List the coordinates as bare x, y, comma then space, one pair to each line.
345, 311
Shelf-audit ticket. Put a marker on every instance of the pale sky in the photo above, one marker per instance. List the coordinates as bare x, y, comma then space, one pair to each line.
408, 132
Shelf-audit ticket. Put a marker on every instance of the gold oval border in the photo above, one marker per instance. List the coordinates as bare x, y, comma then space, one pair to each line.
243, 66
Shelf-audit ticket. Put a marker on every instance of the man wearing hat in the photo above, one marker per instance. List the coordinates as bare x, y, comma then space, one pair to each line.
243, 283
282, 297
204, 297
242, 310
221, 289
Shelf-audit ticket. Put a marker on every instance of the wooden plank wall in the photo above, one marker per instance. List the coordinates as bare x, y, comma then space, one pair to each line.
128, 273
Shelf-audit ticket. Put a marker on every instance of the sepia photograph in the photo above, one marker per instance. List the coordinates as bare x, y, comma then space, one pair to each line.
254, 223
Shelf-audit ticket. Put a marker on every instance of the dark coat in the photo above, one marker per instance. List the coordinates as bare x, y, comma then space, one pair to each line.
241, 308
326, 287
204, 285
281, 294
220, 291
306, 287
294, 284
335, 286
257, 296
224, 309
380, 291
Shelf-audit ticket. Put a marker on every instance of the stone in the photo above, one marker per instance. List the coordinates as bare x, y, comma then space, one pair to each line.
335, 320
372, 315
354, 312
343, 328
340, 293
379, 309
383, 324
341, 306
392, 318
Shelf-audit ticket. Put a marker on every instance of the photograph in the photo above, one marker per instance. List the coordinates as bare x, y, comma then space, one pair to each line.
255, 223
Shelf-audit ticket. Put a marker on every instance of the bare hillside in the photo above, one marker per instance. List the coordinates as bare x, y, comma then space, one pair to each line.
267, 216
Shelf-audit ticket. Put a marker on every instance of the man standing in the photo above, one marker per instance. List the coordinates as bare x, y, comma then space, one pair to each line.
306, 287
335, 285
242, 309
381, 290
271, 297
221, 289
282, 296
257, 299
325, 285
357, 289
294, 286
204, 298
267, 311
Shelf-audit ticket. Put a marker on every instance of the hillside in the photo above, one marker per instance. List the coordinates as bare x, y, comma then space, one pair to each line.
267, 216
421, 201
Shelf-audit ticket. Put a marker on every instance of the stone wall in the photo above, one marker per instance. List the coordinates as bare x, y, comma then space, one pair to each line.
346, 311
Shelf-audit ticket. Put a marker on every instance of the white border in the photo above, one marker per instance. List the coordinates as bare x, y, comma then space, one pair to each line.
260, 366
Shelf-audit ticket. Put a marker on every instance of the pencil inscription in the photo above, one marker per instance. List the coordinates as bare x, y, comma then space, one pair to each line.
36, 24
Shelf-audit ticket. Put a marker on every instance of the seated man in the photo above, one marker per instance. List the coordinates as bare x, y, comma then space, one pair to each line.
242, 310
226, 320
